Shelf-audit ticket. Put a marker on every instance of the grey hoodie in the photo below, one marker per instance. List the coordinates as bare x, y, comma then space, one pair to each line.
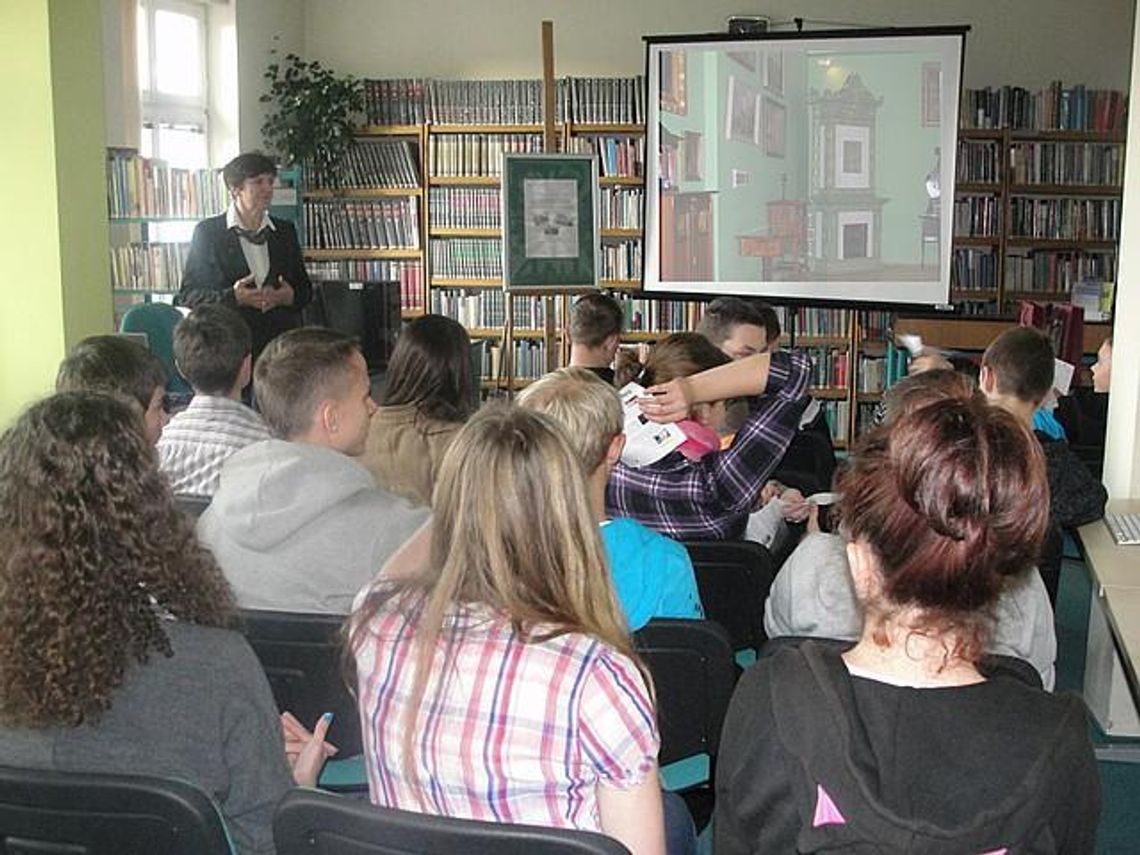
301, 528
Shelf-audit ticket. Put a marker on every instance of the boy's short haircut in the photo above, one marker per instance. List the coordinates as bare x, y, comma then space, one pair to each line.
247, 165
210, 345
114, 364
725, 313
585, 406
296, 371
1021, 360
594, 318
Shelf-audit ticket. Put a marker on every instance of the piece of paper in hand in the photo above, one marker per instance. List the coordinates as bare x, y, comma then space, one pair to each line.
822, 499
645, 441
913, 343
1062, 376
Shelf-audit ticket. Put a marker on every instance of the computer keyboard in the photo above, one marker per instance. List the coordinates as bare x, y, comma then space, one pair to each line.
1124, 528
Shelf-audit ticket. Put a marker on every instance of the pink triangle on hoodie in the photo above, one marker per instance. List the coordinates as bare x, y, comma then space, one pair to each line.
826, 813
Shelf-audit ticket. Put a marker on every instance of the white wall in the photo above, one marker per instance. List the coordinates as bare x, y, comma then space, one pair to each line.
1023, 42
221, 55
261, 26
120, 76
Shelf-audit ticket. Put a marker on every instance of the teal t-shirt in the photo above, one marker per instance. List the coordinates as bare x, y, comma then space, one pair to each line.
652, 574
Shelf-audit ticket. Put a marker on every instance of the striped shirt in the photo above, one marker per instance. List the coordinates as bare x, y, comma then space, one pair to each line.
197, 441
518, 732
710, 499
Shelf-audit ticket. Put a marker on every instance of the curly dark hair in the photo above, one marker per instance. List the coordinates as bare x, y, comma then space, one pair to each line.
94, 555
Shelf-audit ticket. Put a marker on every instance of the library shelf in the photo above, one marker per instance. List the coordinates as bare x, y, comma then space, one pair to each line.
362, 193
829, 393
620, 233
621, 181
448, 231
464, 180
339, 254
454, 282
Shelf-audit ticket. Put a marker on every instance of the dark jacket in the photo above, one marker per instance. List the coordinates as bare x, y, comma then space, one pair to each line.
216, 262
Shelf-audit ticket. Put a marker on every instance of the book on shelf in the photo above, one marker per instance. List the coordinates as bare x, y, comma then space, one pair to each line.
1057, 271
466, 155
142, 188
1063, 163
1054, 108
408, 272
830, 367
465, 207
620, 260
1065, 218
621, 207
466, 258
1095, 298
359, 224
977, 216
389, 163
603, 100
618, 156
486, 309
148, 267
394, 102
648, 315
818, 322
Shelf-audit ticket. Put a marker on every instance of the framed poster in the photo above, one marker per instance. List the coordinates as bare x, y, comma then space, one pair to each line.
550, 223
742, 113
775, 128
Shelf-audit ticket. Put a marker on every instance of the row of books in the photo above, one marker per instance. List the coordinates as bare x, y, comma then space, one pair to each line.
1066, 163
141, 187
1065, 219
467, 258
465, 207
620, 260
977, 216
1054, 108
371, 163
642, 315
876, 323
618, 156
829, 367
148, 267
865, 416
973, 269
529, 359
877, 374
415, 101
408, 272
1057, 271
376, 224
621, 207
467, 155
487, 308
838, 415
978, 161
812, 321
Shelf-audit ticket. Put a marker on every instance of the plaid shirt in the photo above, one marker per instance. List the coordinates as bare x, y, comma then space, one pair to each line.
710, 499
518, 732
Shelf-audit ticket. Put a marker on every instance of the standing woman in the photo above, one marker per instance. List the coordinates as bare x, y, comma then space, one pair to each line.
901, 743
428, 395
497, 681
113, 655
248, 259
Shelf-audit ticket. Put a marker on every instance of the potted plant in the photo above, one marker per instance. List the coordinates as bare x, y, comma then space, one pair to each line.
313, 115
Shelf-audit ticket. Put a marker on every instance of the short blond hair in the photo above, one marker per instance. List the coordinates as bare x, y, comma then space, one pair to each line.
586, 408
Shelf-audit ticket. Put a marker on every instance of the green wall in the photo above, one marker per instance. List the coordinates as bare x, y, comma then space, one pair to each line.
53, 225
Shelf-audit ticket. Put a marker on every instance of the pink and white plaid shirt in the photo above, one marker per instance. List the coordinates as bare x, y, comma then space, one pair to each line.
517, 732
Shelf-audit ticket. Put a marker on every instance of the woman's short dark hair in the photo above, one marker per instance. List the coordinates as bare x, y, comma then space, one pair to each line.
247, 165
952, 497
94, 553
431, 368
113, 364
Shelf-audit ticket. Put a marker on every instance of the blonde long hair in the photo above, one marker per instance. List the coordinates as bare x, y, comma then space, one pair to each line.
512, 531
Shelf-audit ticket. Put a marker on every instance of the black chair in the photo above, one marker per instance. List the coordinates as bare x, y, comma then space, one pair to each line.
302, 657
992, 664
370, 311
309, 822
191, 505
734, 577
65, 813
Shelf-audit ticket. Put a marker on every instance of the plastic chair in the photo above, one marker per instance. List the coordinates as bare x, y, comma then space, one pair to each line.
309, 822
734, 577
65, 813
157, 322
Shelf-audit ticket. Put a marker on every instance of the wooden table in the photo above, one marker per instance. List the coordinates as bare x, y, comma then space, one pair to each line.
1112, 689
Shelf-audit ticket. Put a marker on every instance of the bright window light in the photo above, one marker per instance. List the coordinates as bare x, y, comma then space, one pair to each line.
177, 54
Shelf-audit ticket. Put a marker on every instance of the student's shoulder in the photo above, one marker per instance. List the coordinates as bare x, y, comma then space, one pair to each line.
220, 652
630, 534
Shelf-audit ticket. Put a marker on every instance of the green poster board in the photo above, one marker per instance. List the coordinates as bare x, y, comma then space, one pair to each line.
550, 217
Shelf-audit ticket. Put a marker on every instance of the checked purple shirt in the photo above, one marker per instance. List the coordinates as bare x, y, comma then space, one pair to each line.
710, 499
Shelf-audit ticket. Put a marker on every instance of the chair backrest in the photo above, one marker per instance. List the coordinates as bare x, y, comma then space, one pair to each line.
734, 578
694, 673
301, 656
992, 664
157, 321
66, 813
309, 822
370, 311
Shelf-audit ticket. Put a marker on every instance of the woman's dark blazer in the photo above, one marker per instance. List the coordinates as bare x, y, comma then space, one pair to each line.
216, 262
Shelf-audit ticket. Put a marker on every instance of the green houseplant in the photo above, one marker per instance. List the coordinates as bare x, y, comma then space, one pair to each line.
313, 114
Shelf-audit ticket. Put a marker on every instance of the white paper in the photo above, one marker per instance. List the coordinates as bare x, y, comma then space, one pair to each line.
1062, 376
645, 441
822, 499
551, 222
913, 343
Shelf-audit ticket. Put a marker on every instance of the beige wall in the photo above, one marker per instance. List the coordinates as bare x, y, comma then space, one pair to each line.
1025, 42
261, 26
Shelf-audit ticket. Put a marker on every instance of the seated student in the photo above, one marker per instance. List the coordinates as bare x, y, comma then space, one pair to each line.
741, 328
710, 498
297, 524
119, 366
652, 574
498, 682
595, 330
813, 594
1084, 412
212, 351
1016, 375
901, 744
113, 652
428, 394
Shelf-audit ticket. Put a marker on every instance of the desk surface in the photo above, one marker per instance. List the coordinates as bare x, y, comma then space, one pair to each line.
1116, 579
